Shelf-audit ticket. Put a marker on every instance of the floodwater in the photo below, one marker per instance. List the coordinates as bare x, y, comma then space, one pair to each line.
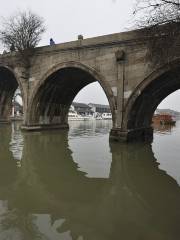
75, 185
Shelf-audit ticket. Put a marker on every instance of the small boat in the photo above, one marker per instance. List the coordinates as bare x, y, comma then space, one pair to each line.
106, 116
163, 119
98, 118
73, 116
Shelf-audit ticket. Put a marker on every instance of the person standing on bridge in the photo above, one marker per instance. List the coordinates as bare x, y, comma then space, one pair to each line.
52, 42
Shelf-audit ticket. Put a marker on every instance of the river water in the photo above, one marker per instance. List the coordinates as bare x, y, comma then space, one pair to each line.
75, 185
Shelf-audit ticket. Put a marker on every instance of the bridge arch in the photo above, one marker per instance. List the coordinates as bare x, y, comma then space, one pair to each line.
55, 91
148, 95
9, 82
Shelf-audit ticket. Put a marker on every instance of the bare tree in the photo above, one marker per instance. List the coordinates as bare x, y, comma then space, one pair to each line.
157, 12
160, 20
22, 32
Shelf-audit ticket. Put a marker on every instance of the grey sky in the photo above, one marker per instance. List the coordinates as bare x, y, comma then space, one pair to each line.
65, 19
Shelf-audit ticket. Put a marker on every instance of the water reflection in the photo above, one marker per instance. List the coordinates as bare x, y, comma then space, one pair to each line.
163, 128
166, 149
89, 142
16, 143
89, 128
49, 197
8, 169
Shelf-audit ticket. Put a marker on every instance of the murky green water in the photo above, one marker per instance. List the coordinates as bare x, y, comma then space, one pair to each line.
76, 185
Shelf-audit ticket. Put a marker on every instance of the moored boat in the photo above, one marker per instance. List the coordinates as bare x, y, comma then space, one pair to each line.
73, 116
163, 119
106, 116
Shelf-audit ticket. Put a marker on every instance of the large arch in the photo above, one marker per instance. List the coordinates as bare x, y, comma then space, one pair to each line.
9, 82
147, 96
55, 91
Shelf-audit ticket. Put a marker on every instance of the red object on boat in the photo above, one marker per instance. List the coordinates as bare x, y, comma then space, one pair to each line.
163, 119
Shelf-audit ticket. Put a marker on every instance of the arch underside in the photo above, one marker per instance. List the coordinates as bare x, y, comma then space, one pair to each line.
8, 86
140, 115
54, 97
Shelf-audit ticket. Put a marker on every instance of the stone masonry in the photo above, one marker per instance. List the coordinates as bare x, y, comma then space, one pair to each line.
133, 85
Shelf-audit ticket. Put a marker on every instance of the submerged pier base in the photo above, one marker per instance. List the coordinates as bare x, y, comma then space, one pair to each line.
138, 134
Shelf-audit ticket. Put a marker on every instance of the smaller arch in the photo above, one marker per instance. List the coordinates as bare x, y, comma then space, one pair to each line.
17, 77
145, 83
148, 94
55, 75
9, 82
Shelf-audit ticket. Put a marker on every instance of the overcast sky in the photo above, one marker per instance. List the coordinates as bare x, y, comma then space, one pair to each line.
66, 19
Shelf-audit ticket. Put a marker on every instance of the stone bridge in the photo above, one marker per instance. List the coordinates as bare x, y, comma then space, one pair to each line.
134, 86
